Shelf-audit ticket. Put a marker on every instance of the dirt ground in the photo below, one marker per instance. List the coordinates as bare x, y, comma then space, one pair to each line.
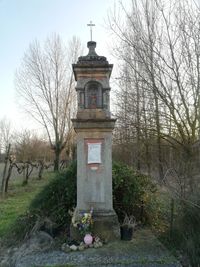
144, 250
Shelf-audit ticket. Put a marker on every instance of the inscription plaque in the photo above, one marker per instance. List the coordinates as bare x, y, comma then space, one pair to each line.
94, 153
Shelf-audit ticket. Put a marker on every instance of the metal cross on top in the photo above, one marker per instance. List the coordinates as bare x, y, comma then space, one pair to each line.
91, 25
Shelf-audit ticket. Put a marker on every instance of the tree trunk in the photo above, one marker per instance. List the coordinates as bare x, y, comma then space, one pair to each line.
159, 152
57, 159
41, 169
8, 177
138, 123
5, 170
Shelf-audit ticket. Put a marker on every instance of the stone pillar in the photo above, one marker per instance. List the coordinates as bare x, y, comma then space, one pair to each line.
94, 125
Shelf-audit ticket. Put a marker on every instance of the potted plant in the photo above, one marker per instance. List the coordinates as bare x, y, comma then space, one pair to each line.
127, 227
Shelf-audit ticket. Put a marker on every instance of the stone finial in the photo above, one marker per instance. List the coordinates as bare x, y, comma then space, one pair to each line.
92, 45
92, 56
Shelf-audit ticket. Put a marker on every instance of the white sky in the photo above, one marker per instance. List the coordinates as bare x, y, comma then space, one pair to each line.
23, 21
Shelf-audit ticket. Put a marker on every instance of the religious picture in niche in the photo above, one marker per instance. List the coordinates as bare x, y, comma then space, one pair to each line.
94, 153
92, 98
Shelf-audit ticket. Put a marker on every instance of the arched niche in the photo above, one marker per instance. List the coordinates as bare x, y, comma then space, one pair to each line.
93, 95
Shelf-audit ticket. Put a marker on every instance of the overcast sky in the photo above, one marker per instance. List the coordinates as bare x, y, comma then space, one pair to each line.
23, 21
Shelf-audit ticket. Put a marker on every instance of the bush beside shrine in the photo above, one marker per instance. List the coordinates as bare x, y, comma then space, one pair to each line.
132, 195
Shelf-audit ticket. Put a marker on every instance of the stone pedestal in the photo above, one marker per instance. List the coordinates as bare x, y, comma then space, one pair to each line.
94, 180
106, 225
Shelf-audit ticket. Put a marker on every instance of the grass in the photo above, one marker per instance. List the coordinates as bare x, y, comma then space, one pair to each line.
18, 199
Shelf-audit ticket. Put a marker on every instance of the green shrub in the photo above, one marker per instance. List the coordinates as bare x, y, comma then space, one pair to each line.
22, 227
132, 193
57, 197
131, 189
53, 202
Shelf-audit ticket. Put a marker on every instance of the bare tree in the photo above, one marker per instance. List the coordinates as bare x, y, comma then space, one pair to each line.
136, 49
29, 146
160, 41
5, 134
46, 85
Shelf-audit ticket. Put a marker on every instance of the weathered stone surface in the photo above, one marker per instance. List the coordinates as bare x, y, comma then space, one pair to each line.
94, 188
49, 227
94, 114
81, 247
94, 127
96, 245
106, 226
101, 125
38, 242
65, 247
46, 225
100, 244
92, 55
73, 248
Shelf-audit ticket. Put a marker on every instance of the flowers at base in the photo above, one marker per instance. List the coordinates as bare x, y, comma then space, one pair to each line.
84, 224
88, 239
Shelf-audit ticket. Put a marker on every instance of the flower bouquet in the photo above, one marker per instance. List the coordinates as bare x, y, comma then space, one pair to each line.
84, 226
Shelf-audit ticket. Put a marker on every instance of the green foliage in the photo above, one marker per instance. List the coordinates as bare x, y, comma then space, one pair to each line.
52, 201
187, 231
159, 211
14, 225
58, 197
132, 193
184, 236
22, 227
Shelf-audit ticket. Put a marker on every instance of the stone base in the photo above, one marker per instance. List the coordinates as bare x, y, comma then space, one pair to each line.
106, 226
